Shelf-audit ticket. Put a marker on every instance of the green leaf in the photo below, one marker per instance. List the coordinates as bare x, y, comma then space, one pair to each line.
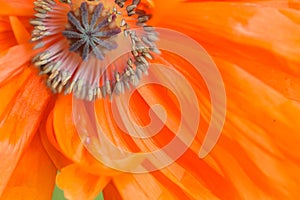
58, 194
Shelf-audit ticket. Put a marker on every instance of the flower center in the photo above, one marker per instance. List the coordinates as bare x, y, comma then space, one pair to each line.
74, 37
90, 30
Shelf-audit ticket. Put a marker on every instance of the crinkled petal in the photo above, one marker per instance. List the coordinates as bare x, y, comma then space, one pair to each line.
19, 121
256, 133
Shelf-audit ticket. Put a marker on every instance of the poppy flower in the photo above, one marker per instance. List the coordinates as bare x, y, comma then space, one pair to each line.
255, 45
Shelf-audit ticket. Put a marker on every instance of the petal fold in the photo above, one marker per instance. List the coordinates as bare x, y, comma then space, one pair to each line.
50, 144
78, 184
21, 33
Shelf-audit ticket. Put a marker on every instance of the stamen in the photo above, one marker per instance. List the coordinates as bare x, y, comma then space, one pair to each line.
74, 42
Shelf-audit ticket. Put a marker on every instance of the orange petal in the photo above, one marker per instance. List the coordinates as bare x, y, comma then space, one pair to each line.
50, 145
294, 4
251, 153
247, 149
246, 136
139, 186
190, 160
255, 134
144, 187
4, 24
14, 61
7, 38
19, 122
242, 35
64, 128
17, 8
160, 7
21, 34
181, 179
277, 111
68, 139
9, 90
161, 187
34, 175
78, 184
